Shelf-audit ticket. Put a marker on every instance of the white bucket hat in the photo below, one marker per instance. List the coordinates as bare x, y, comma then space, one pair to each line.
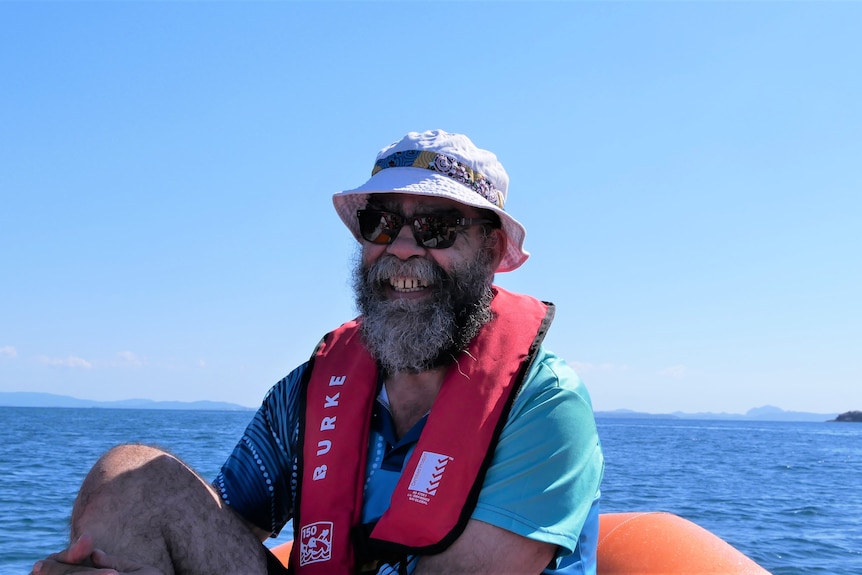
443, 165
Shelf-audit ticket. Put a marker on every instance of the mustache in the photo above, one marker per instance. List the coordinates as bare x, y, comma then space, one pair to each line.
389, 266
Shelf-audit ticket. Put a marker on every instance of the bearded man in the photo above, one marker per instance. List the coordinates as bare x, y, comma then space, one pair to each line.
433, 434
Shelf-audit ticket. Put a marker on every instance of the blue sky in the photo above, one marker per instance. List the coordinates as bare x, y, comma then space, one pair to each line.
688, 174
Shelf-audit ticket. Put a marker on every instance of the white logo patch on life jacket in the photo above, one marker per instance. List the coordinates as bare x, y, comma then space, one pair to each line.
427, 477
315, 542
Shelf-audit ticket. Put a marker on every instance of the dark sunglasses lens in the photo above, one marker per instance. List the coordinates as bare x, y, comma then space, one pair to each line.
379, 227
431, 231
436, 232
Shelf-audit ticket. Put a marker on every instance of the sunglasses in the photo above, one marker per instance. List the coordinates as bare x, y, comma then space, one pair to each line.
436, 231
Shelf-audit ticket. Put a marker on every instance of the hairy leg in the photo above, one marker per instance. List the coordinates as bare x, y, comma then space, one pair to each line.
145, 505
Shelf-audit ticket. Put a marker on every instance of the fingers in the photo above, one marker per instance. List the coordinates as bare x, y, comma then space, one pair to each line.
82, 557
77, 552
102, 559
70, 560
51, 567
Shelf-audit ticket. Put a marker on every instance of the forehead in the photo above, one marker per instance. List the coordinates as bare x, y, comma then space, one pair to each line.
409, 204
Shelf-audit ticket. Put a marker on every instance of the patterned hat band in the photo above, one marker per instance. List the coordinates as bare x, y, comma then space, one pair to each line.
445, 165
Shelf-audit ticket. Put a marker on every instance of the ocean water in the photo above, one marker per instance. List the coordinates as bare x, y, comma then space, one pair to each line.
789, 495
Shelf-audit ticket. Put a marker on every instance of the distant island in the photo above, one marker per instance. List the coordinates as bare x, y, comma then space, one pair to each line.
765, 413
33, 399
851, 416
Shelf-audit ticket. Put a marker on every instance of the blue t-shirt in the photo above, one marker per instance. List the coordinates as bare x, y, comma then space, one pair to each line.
543, 482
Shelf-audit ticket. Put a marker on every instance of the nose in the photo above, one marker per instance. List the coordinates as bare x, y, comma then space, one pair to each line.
405, 246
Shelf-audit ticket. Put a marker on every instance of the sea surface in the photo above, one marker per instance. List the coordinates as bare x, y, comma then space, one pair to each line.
789, 495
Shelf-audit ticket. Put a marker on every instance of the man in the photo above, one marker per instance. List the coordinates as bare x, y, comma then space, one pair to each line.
434, 434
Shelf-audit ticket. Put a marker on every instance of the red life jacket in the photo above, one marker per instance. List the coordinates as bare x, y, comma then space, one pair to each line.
440, 483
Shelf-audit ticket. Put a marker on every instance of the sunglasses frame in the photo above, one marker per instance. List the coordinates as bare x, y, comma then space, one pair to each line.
450, 223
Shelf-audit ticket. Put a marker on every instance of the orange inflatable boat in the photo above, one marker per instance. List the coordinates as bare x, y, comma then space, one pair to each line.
653, 544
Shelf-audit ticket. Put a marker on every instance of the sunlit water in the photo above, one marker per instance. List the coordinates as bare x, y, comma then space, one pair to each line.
789, 495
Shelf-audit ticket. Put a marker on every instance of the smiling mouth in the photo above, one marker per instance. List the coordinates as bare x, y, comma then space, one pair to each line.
407, 285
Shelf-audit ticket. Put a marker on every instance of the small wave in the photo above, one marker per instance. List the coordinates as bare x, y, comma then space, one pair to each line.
806, 511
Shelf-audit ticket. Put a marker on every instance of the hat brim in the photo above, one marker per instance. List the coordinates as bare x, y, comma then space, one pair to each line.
422, 182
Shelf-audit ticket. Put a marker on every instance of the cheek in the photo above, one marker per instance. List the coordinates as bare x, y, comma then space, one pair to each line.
465, 250
447, 259
371, 253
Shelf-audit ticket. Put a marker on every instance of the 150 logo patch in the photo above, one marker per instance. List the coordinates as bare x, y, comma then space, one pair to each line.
315, 542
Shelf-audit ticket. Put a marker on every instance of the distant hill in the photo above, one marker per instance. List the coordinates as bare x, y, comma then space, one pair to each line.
31, 399
850, 416
628, 413
765, 413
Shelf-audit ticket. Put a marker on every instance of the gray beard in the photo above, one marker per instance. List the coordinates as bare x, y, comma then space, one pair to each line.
416, 335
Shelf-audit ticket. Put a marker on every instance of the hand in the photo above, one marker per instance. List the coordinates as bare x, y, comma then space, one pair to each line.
78, 553
82, 557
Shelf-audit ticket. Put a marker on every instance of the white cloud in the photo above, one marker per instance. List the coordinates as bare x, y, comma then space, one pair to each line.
70, 361
129, 359
674, 371
8, 351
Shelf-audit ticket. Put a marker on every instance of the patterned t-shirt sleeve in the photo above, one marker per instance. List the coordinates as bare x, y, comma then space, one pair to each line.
258, 479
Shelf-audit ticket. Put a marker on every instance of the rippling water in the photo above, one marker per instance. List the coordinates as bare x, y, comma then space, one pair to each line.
786, 494
47, 452
789, 495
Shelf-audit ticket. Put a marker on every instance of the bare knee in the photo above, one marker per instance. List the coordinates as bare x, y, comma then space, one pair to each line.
122, 481
142, 503
126, 458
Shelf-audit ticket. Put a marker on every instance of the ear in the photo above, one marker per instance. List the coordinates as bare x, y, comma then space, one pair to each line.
497, 246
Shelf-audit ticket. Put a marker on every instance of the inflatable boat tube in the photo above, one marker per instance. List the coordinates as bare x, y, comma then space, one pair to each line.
652, 543
662, 543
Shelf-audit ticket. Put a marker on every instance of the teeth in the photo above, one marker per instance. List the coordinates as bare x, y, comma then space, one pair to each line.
407, 284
